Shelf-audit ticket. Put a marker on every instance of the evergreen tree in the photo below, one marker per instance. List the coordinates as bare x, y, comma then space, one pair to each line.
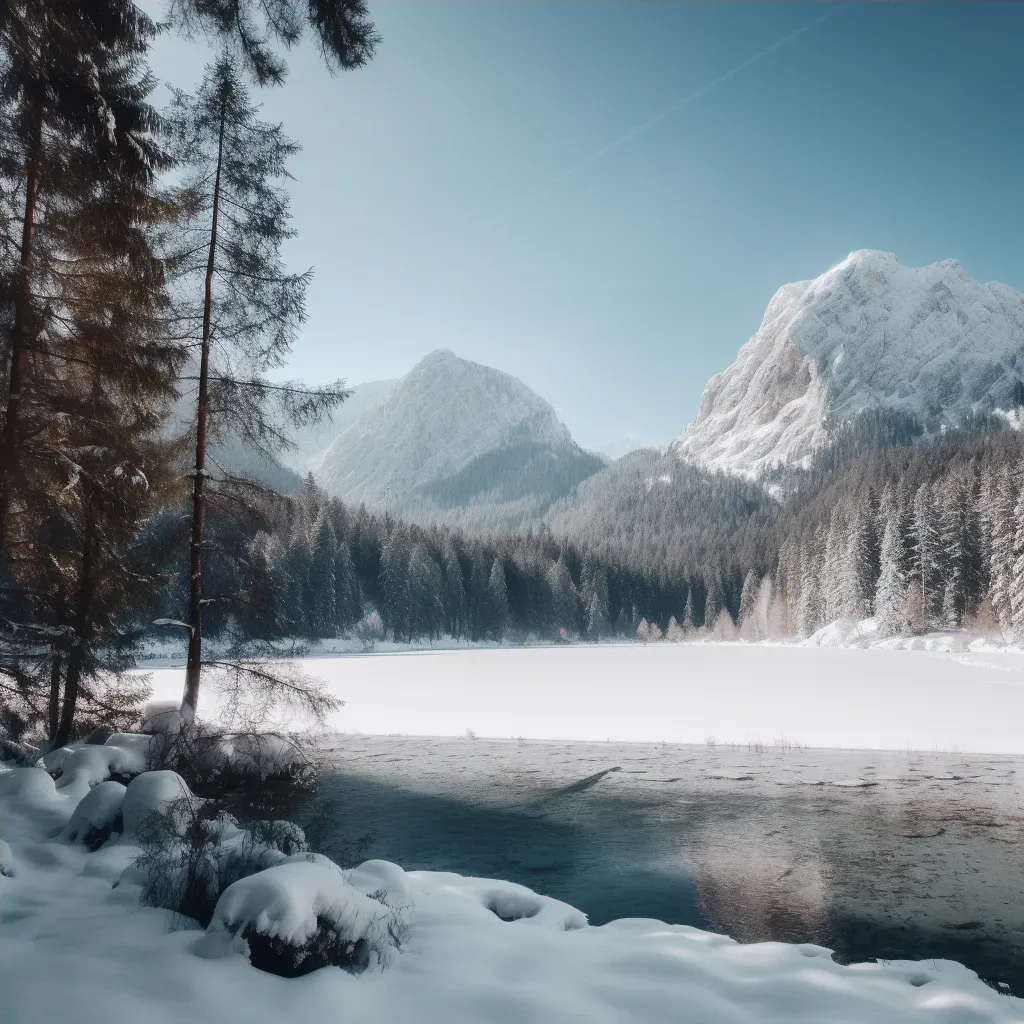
929, 561
84, 372
891, 595
1001, 527
563, 597
597, 616
748, 598
235, 298
394, 571
348, 601
425, 603
1017, 581
341, 30
498, 594
688, 611
321, 582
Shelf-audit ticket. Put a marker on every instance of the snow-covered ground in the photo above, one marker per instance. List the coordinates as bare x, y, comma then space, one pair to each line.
968, 700
71, 946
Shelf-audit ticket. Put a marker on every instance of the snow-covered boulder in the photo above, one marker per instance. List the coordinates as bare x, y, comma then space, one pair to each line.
150, 792
299, 916
31, 786
89, 765
97, 816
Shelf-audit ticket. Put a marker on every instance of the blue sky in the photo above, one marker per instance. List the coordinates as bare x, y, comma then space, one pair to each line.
482, 185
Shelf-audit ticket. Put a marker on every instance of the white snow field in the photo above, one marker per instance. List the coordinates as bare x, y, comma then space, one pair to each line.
970, 701
73, 946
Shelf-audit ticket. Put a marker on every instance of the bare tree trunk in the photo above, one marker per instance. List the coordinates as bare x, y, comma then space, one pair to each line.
22, 300
83, 625
53, 711
193, 667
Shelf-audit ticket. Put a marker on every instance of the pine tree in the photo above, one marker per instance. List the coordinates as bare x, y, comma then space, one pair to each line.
235, 298
891, 594
321, 582
341, 29
748, 600
498, 594
394, 573
688, 611
84, 372
348, 600
809, 614
714, 601
563, 597
424, 601
928, 562
1017, 581
1001, 527
597, 616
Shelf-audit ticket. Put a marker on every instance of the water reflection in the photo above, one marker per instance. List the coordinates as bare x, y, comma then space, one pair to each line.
890, 856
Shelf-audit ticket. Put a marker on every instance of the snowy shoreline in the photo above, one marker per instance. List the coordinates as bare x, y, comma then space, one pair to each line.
477, 950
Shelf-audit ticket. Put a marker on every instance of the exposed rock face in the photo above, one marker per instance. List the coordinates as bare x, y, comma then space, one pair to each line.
869, 333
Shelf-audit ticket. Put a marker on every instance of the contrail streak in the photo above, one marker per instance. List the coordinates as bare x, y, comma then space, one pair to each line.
696, 94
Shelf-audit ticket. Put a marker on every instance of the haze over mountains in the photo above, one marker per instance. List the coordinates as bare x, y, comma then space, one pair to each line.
456, 441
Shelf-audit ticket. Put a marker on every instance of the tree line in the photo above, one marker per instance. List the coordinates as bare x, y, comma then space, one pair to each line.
140, 267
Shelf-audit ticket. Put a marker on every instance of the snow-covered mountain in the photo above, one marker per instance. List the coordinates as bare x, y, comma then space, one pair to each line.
312, 442
870, 333
453, 435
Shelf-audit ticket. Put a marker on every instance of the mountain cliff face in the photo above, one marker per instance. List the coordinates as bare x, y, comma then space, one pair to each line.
868, 334
450, 435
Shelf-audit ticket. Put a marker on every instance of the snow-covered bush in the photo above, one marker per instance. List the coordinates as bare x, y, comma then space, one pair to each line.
299, 916
191, 850
370, 628
254, 774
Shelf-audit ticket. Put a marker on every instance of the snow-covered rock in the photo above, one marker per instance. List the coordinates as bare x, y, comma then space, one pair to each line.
869, 333
302, 915
96, 816
151, 792
449, 433
93, 763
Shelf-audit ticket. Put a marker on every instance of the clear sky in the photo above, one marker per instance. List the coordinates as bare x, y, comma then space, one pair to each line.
600, 198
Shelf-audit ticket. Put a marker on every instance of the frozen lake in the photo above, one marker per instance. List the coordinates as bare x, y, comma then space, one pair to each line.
704, 784
681, 693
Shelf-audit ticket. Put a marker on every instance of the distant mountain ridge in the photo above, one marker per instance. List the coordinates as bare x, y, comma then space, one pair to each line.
868, 334
452, 437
